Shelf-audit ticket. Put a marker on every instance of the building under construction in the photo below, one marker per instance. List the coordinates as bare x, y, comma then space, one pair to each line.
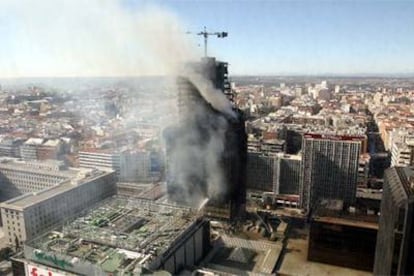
119, 236
210, 144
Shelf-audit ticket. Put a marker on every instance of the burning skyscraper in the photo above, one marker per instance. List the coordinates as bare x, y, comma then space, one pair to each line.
207, 150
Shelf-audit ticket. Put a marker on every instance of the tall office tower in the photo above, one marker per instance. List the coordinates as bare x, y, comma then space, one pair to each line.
289, 174
261, 171
278, 173
206, 152
395, 240
329, 168
213, 74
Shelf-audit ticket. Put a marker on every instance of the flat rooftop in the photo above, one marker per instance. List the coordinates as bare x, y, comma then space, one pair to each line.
295, 261
119, 233
243, 257
357, 219
273, 142
347, 222
47, 167
29, 199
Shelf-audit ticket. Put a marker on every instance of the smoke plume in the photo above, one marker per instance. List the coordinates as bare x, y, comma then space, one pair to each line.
56, 38
212, 95
52, 38
195, 154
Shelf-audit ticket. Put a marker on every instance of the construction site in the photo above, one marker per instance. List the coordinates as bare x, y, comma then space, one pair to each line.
124, 236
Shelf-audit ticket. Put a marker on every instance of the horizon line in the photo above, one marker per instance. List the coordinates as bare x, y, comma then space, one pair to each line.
405, 75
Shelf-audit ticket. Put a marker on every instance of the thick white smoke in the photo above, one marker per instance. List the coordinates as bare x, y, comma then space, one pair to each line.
56, 38
195, 159
215, 148
212, 95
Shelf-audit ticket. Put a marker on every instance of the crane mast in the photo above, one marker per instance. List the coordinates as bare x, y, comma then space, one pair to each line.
206, 34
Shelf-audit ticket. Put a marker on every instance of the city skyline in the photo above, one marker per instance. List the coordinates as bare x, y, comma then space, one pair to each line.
201, 173
135, 38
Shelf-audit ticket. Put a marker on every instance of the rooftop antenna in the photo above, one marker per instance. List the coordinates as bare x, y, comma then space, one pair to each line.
206, 34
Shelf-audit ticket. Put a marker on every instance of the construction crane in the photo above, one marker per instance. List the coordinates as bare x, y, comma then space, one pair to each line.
206, 34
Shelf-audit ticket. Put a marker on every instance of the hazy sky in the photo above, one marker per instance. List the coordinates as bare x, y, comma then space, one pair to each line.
127, 37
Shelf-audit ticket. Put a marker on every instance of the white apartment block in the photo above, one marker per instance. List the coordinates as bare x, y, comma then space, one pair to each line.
29, 215
28, 151
101, 159
129, 166
402, 154
19, 177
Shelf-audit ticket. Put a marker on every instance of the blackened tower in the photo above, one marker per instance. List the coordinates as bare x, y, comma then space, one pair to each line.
200, 123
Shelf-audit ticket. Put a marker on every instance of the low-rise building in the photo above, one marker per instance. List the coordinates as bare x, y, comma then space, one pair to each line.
28, 151
19, 177
343, 237
30, 214
10, 147
402, 153
121, 236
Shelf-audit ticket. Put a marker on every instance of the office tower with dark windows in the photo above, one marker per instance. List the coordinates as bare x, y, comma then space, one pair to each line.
261, 172
289, 174
329, 168
278, 173
395, 240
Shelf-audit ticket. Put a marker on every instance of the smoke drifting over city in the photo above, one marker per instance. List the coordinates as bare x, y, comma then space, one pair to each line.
104, 38
91, 38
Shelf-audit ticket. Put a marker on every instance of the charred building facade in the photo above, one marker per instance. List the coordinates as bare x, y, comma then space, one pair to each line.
207, 150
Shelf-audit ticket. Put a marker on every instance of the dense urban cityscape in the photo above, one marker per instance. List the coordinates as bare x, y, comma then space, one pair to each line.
78, 162
196, 170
